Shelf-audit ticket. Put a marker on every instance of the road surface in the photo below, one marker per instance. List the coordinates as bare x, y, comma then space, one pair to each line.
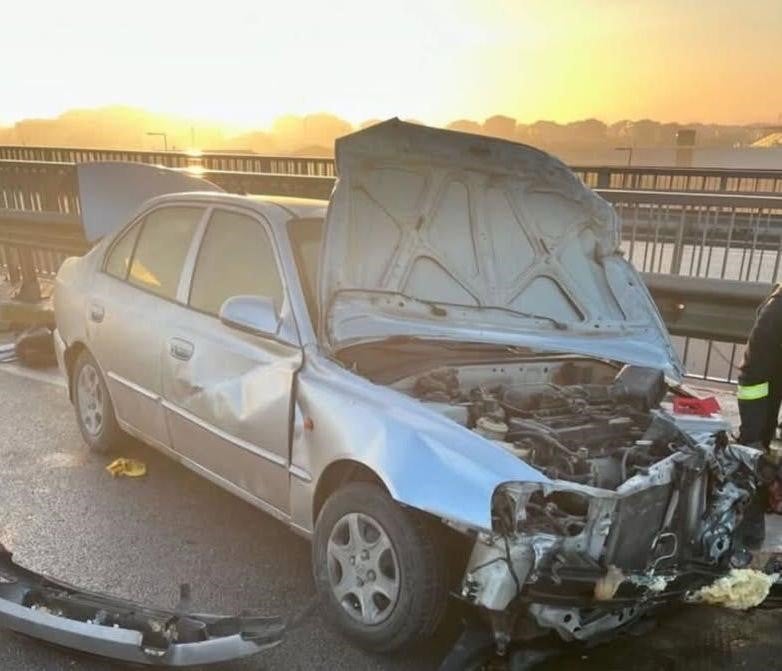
63, 515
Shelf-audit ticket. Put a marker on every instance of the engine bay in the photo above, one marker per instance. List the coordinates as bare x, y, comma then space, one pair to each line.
595, 433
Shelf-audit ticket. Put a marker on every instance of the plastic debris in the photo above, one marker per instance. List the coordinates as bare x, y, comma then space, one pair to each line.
704, 407
654, 583
741, 589
130, 468
607, 586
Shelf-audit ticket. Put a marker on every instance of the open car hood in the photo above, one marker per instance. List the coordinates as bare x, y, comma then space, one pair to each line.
438, 234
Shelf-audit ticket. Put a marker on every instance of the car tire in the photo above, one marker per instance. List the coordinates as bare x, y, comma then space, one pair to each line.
94, 409
379, 574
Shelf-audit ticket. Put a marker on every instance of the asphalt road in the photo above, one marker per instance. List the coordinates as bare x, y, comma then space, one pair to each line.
63, 515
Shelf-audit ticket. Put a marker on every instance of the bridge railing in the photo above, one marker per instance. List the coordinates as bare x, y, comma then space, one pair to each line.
702, 180
708, 258
643, 178
221, 161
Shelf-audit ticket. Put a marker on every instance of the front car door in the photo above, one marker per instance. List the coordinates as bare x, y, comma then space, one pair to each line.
138, 281
228, 393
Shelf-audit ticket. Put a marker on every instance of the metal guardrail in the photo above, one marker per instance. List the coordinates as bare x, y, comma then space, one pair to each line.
722, 236
316, 166
709, 320
709, 258
642, 178
689, 180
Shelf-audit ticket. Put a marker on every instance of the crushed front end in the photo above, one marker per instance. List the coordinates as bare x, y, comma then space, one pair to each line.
588, 561
637, 511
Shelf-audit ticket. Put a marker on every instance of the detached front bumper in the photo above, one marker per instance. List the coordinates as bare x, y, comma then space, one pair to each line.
124, 631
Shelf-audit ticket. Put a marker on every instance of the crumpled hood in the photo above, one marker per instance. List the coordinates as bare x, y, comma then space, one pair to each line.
438, 234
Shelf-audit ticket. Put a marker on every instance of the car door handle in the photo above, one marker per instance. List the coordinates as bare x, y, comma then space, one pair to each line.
97, 313
180, 349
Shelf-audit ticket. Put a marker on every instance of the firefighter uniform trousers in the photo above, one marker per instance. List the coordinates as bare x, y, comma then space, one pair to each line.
760, 375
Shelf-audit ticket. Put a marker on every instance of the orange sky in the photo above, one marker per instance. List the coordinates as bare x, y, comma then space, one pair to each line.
245, 62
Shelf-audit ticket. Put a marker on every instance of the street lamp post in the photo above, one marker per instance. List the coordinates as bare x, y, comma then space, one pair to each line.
629, 151
165, 139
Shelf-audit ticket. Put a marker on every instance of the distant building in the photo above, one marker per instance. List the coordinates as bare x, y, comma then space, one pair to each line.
771, 139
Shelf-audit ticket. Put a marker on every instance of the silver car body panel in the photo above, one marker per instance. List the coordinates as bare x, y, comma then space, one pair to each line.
433, 233
425, 460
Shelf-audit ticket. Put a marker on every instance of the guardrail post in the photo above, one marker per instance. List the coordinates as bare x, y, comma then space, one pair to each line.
30, 290
678, 248
12, 270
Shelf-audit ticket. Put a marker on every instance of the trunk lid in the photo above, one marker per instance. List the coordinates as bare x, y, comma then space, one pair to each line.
110, 192
437, 234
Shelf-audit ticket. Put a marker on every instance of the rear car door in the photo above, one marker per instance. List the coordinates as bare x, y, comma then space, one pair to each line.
139, 280
228, 393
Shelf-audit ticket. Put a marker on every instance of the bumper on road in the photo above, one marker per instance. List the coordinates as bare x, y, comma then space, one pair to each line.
124, 631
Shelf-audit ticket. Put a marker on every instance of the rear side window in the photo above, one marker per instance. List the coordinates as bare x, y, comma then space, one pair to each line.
236, 258
118, 261
162, 246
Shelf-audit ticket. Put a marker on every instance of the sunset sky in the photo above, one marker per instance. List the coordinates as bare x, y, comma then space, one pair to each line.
245, 62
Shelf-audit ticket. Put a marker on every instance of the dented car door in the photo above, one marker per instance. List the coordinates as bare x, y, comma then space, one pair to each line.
127, 305
227, 392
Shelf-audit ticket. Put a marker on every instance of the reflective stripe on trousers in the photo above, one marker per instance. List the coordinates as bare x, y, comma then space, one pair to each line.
753, 392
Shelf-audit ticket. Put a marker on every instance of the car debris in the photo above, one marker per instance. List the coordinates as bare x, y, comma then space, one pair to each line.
124, 631
704, 407
741, 589
125, 467
34, 347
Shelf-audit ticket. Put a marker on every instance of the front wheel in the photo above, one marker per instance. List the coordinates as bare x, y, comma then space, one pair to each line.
377, 569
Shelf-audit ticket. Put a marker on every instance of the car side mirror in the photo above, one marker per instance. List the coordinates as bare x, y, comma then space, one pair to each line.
254, 314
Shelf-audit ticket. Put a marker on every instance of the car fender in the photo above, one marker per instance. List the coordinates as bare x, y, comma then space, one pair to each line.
425, 461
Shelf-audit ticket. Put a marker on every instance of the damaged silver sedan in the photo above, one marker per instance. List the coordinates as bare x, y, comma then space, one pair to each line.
448, 378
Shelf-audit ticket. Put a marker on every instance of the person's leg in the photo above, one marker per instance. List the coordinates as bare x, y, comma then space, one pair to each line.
754, 414
772, 413
759, 419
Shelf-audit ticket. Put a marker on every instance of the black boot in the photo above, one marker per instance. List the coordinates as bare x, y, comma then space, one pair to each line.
753, 526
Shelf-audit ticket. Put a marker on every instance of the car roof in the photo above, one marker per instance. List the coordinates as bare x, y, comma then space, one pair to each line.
298, 208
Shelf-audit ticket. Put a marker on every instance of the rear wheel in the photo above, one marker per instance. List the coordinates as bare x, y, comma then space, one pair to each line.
94, 409
378, 572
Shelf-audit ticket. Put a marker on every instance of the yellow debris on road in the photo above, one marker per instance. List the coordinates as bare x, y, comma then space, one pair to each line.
131, 468
741, 589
